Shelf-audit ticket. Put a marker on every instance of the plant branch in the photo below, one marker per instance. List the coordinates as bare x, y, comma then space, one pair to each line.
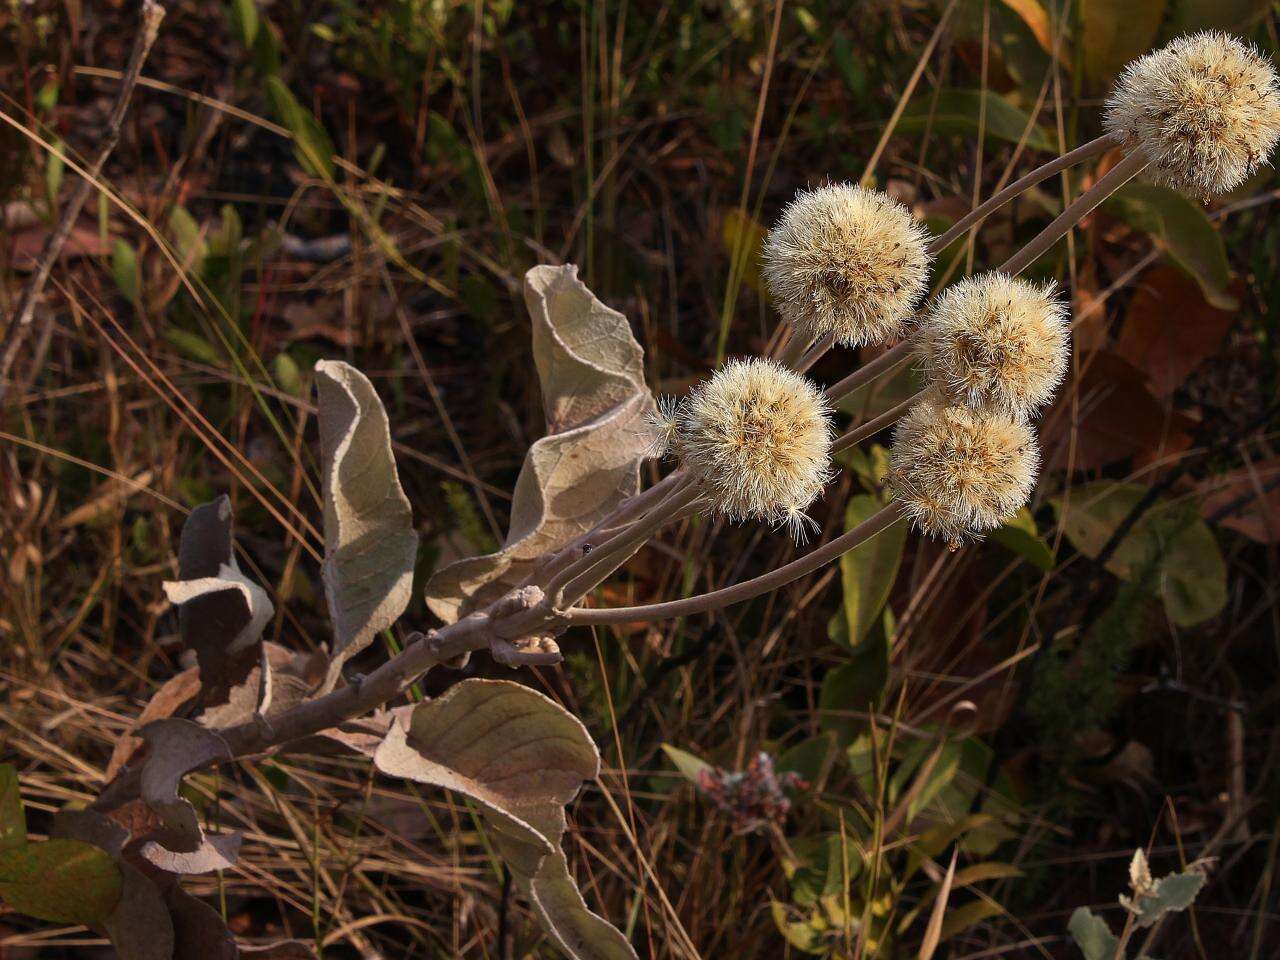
1016, 189
887, 362
748, 589
152, 14
1115, 178
872, 427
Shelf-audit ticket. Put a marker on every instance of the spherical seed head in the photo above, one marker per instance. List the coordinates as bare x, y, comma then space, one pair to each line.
847, 262
992, 342
1205, 109
959, 471
757, 436
661, 422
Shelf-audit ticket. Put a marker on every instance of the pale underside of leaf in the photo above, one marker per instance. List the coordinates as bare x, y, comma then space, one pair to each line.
520, 758
221, 613
596, 403
370, 543
175, 747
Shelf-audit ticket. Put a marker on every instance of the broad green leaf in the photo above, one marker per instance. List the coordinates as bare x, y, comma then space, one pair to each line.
690, 766
1021, 536
520, 757
1236, 16
810, 759
967, 111
808, 937
312, 145
244, 16
369, 541
596, 403
822, 870
1191, 572
61, 881
140, 927
1092, 935
124, 269
1185, 231
13, 822
186, 234
852, 687
193, 346
867, 572
284, 369
962, 918
1113, 32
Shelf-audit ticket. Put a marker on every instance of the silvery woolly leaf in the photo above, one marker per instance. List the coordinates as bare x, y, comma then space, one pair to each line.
1092, 935
370, 543
174, 748
520, 757
596, 403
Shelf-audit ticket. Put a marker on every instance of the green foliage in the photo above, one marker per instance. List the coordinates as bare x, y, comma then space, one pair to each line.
13, 823
1189, 569
1021, 537
967, 112
61, 881
867, 572
1185, 232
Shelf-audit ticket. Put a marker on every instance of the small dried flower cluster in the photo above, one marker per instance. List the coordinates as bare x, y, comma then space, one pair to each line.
753, 799
757, 436
993, 342
958, 471
1205, 109
847, 262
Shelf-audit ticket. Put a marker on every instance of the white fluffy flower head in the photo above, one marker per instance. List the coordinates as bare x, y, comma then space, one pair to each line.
757, 436
1205, 109
847, 262
995, 342
958, 471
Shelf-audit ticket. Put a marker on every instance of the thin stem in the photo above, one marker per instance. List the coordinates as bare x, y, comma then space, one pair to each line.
888, 361
814, 353
872, 427
623, 542
793, 348
622, 514
1018, 187
1115, 178
716, 599
606, 564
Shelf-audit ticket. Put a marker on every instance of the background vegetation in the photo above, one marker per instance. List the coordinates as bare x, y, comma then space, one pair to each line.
369, 180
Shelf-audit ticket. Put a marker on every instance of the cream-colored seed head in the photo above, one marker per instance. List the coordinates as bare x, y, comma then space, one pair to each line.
1205, 109
661, 422
758, 437
959, 471
993, 342
847, 262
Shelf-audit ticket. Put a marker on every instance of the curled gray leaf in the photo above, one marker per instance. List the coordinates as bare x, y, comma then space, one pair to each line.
370, 543
174, 748
596, 406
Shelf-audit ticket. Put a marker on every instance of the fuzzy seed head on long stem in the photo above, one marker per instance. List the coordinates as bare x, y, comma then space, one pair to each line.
757, 437
993, 342
1205, 109
847, 262
958, 471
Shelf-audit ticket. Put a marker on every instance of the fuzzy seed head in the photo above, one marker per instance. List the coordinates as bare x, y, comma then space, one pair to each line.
1205, 109
661, 422
992, 342
758, 437
958, 471
847, 262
